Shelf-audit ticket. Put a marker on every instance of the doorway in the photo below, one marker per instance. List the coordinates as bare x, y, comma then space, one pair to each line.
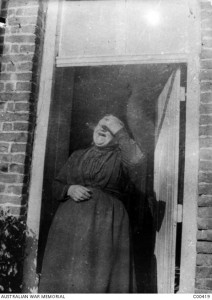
82, 95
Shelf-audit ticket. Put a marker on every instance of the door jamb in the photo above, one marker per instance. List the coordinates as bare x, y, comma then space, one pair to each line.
30, 276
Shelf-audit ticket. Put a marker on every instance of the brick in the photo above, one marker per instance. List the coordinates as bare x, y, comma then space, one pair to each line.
10, 107
204, 283
206, 33
204, 223
206, 109
206, 14
2, 106
19, 210
207, 43
204, 259
4, 167
21, 126
206, 86
8, 76
14, 137
29, 29
206, 53
205, 120
205, 188
25, 66
204, 247
25, 96
205, 142
3, 14
1, 86
20, 39
3, 67
22, 106
204, 235
10, 178
21, 21
17, 58
6, 49
11, 67
206, 5
205, 177
5, 76
19, 158
205, 166
15, 49
2, 188
206, 75
205, 201
14, 189
27, 11
24, 76
206, 64
18, 147
7, 30
23, 86
23, 29
204, 272
16, 168
205, 212
10, 11
7, 126
206, 154
12, 20
205, 130
27, 48
25, 3
10, 86
10, 199
15, 117
4, 147
24, 20
5, 157
206, 24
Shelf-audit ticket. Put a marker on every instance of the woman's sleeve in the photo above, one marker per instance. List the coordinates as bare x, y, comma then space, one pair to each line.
60, 185
130, 152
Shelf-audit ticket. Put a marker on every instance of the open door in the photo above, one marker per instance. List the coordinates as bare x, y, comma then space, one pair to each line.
166, 161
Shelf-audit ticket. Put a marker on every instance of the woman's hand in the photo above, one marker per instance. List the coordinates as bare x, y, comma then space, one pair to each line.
112, 123
79, 193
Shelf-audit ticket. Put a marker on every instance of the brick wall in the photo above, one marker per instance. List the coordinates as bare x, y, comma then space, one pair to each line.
204, 234
20, 67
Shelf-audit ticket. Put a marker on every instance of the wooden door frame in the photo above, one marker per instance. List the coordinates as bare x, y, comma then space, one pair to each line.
188, 251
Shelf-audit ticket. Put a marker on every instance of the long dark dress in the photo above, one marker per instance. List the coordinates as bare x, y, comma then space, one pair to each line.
88, 248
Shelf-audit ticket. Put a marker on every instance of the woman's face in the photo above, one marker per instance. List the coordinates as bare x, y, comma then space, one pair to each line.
101, 135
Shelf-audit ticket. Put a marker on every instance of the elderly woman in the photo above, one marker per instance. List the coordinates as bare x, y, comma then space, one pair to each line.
88, 248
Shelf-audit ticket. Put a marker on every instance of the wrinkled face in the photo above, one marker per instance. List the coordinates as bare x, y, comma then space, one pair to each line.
101, 135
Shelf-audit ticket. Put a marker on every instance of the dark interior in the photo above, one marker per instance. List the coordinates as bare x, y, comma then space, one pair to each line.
81, 97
